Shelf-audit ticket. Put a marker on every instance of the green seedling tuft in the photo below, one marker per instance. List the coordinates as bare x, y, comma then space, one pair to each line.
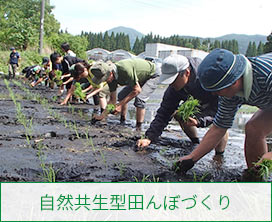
188, 109
110, 108
264, 168
78, 92
57, 79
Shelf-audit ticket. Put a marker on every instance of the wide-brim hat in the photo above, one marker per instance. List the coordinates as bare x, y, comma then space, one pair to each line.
220, 69
171, 67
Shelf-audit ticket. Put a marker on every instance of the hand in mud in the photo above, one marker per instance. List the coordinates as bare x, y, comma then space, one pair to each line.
98, 117
183, 165
32, 84
141, 143
192, 122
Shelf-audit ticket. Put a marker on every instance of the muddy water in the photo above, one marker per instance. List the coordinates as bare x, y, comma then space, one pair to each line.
64, 146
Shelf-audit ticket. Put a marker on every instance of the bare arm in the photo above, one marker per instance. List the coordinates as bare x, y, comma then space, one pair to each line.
94, 92
65, 75
87, 89
69, 94
112, 98
209, 142
135, 91
33, 84
69, 80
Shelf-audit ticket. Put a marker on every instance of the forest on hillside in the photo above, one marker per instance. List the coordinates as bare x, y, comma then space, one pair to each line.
20, 21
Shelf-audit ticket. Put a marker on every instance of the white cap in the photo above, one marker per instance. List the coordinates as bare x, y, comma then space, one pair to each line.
171, 66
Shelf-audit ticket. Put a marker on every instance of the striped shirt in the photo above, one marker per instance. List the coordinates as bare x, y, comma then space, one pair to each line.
260, 95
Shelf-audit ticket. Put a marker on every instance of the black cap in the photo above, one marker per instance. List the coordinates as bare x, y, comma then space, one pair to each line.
45, 60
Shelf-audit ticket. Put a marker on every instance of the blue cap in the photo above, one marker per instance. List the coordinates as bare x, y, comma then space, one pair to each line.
220, 69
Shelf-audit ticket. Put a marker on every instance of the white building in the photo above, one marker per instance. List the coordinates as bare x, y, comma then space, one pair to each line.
160, 50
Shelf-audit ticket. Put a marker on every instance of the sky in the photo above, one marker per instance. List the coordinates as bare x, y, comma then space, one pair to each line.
202, 18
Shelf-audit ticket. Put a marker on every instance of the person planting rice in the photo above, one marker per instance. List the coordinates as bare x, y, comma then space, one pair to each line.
180, 73
140, 78
44, 73
237, 80
66, 62
80, 74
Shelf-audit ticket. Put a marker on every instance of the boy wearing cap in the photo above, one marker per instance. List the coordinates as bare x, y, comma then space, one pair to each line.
43, 75
237, 80
179, 73
13, 62
140, 78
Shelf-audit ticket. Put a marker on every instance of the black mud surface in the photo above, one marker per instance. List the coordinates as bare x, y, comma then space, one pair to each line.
65, 145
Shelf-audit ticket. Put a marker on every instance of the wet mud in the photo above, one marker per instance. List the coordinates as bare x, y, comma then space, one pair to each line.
59, 143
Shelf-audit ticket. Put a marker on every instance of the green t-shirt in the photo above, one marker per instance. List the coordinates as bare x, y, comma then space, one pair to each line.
131, 71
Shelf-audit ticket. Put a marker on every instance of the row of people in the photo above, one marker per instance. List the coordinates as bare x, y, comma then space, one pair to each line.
222, 82
222, 77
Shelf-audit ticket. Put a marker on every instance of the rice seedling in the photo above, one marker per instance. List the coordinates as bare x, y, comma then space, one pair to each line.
264, 168
103, 157
78, 92
75, 130
49, 174
144, 179
57, 79
188, 109
155, 180
110, 108
199, 179
89, 141
121, 167
80, 113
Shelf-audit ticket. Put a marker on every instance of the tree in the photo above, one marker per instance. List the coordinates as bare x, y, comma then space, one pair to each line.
112, 42
260, 49
268, 44
19, 25
106, 41
249, 50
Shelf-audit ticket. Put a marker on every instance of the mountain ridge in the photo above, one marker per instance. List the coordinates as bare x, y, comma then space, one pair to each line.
243, 39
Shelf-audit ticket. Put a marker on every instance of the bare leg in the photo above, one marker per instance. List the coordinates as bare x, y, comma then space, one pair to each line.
220, 148
257, 128
140, 113
190, 131
103, 102
124, 109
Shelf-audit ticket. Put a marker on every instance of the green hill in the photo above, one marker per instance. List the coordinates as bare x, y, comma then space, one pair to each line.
132, 33
243, 40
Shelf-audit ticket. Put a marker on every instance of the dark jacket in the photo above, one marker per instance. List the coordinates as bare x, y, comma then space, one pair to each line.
172, 98
68, 61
